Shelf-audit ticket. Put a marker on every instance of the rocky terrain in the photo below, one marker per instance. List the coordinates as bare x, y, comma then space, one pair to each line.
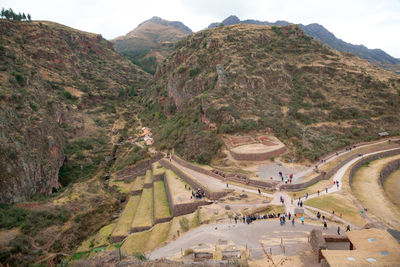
244, 78
59, 94
376, 56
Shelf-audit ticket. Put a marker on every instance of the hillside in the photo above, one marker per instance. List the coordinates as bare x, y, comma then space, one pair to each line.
151, 41
62, 90
377, 57
241, 78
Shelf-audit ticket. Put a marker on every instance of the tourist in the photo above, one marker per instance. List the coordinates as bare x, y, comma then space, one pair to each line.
333, 212
348, 228
259, 191
326, 189
290, 215
337, 184
293, 221
301, 204
325, 225
227, 185
338, 230
298, 204
291, 201
323, 217
244, 219
318, 215
236, 218
302, 219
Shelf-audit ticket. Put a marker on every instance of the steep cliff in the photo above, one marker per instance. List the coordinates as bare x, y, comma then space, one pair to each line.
60, 90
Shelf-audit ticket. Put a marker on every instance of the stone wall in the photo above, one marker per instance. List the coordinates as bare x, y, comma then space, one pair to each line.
183, 208
318, 243
213, 195
322, 176
388, 169
238, 178
258, 156
360, 163
138, 170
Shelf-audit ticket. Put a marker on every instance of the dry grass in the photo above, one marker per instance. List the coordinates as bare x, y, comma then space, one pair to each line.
138, 184
158, 168
101, 238
333, 163
176, 226
161, 206
123, 226
368, 190
340, 204
392, 187
148, 178
177, 188
144, 212
158, 235
135, 243
123, 187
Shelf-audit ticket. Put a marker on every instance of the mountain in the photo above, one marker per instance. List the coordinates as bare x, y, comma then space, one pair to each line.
376, 56
60, 94
245, 78
151, 41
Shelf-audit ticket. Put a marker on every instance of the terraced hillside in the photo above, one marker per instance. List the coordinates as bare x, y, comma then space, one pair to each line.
245, 78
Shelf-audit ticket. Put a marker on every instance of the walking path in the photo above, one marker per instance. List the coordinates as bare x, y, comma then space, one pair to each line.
246, 235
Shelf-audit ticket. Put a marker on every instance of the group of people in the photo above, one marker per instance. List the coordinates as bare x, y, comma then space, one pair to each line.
250, 218
198, 194
286, 178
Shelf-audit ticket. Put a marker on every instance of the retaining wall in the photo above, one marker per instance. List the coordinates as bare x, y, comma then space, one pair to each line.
213, 195
138, 170
238, 178
360, 163
388, 169
183, 208
323, 175
258, 156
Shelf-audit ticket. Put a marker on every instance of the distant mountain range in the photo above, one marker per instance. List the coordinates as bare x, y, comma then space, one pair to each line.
376, 56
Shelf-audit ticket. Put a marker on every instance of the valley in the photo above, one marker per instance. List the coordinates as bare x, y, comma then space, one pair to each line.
230, 146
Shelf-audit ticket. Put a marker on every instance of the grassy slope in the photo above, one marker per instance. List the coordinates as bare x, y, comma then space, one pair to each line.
392, 187
161, 207
123, 226
144, 212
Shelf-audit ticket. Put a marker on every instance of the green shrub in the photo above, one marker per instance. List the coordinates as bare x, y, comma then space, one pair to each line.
181, 69
276, 30
67, 95
193, 71
225, 128
19, 77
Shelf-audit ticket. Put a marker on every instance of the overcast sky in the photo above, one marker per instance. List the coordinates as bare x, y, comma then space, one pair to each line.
374, 23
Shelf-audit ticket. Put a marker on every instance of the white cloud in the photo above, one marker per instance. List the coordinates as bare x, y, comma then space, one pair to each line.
374, 23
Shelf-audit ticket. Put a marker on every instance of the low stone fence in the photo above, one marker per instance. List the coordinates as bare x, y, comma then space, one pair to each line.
322, 176
136, 192
213, 195
258, 156
163, 220
360, 163
388, 169
140, 228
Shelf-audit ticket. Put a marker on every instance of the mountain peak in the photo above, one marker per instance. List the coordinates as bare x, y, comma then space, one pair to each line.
231, 20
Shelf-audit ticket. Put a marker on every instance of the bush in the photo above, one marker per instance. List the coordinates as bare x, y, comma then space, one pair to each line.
67, 95
276, 30
184, 223
193, 72
181, 69
19, 77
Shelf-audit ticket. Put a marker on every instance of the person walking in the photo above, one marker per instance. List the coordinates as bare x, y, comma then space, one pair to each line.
338, 230
337, 184
227, 185
291, 201
318, 192
302, 219
301, 204
326, 190
236, 218
289, 216
259, 191
318, 215
293, 221
244, 219
348, 228
325, 225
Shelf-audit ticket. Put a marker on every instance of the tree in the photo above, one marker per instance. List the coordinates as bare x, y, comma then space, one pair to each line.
29, 17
